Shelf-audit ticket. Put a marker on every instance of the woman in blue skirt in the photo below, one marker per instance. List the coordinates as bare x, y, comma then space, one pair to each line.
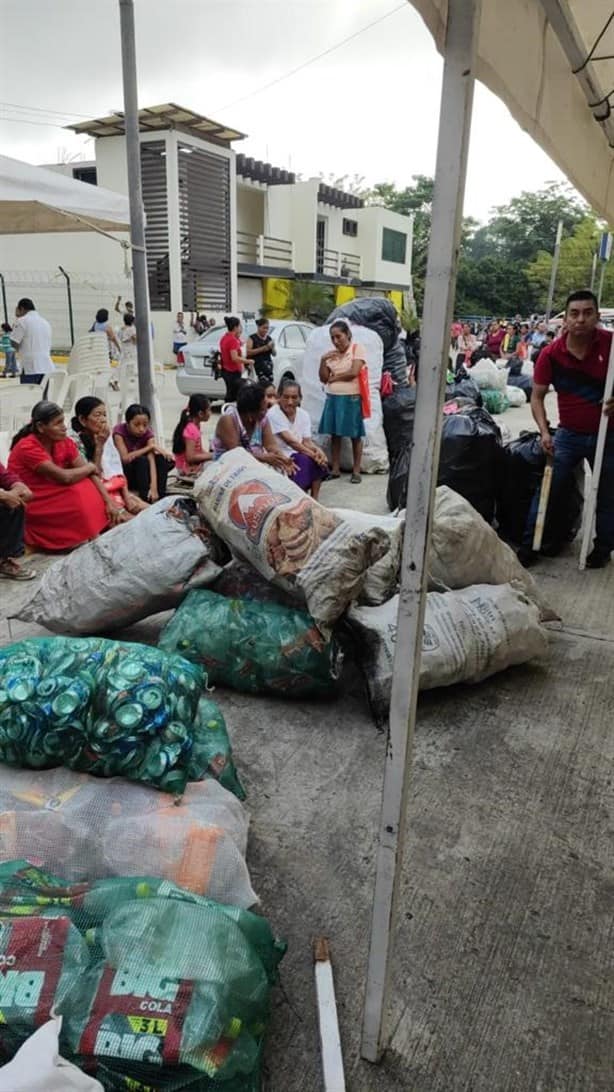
342, 416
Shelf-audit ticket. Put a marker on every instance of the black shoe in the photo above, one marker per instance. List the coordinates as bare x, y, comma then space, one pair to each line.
527, 556
598, 558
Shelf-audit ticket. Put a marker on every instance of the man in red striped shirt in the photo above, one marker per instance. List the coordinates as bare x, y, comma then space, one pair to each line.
576, 365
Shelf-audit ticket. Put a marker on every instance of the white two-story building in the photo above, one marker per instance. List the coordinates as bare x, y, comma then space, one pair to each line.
224, 232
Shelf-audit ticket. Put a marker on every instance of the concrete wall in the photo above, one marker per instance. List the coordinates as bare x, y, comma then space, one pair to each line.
250, 294
250, 209
292, 215
371, 221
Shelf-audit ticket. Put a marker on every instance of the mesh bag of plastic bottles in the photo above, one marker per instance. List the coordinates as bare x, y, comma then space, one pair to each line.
254, 646
87, 828
158, 988
110, 708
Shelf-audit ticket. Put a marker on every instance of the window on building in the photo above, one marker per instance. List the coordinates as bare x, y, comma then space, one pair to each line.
394, 246
350, 227
86, 174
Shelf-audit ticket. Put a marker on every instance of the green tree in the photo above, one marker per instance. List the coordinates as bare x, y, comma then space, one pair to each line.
310, 301
528, 223
575, 264
492, 286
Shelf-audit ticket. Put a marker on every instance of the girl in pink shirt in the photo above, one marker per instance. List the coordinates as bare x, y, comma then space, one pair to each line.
187, 440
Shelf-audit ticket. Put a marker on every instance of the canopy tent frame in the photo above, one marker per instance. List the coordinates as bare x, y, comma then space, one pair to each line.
450, 174
456, 27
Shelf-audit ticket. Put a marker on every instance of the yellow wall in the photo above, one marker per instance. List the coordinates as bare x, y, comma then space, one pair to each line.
344, 293
397, 299
275, 297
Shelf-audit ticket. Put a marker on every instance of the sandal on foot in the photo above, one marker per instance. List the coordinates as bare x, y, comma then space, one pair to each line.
355, 479
11, 570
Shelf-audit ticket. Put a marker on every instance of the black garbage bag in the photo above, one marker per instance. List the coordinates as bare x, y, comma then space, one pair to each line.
399, 410
468, 461
375, 312
467, 388
522, 467
397, 479
469, 458
395, 362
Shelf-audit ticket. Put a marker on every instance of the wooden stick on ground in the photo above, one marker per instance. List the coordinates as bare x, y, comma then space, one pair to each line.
330, 1042
544, 496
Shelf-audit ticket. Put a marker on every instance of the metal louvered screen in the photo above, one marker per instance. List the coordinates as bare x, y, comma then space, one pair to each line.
204, 215
155, 201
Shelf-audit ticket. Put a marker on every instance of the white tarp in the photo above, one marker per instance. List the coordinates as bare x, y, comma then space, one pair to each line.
35, 199
522, 59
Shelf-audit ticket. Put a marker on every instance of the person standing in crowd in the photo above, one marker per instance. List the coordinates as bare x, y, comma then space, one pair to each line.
199, 324
456, 330
261, 350
576, 365
188, 447
31, 336
6, 346
14, 496
539, 337
128, 360
494, 339
146, 464
245, 425
69, 503
291, 427
127, 308
180, 337
101, 325
233, 361
466, 344
342, 415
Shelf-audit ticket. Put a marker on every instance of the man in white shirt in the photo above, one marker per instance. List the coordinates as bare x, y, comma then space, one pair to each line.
31, 336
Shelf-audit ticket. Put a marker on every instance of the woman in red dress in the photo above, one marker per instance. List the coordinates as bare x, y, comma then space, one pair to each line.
70, 504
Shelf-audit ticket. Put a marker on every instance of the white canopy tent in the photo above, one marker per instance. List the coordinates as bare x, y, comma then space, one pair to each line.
552, 63
36, 199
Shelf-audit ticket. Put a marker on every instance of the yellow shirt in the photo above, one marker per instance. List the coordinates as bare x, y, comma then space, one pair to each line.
340, 363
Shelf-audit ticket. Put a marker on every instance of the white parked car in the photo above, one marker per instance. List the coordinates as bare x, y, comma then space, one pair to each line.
196, 376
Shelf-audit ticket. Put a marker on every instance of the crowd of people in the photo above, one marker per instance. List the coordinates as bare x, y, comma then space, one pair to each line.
499, 339
66, 485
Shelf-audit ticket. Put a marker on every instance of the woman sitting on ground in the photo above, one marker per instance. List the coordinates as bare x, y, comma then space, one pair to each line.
291, 426
69, 503
187, 438
245, 425
92, 435
342, 416
146, 464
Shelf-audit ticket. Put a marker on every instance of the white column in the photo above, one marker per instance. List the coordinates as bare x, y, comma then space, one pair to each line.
174, 232
454, 126
234, 280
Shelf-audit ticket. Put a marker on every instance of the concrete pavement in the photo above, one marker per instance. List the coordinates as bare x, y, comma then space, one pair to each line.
503, 967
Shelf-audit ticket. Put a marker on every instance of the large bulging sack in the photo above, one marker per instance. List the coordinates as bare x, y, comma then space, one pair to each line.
465, 550
291, 539
87, 828
374, 456
468, 635
253, 646
469, 458
110, 708
137, 569
382, 578
488, 376
399, 410
157, 987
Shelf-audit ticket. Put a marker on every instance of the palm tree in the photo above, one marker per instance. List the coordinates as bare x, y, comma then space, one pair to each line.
310, 301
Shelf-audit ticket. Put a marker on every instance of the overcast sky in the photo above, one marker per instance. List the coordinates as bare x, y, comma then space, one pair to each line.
368, 108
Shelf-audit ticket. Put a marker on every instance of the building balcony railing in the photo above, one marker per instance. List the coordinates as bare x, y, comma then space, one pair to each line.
336, 263
264, 250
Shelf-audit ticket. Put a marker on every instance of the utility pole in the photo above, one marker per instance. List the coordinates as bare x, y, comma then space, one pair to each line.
593, 272
137, 213
555, 268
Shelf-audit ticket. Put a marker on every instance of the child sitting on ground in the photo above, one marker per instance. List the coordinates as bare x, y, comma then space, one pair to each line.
188, 447
146, 464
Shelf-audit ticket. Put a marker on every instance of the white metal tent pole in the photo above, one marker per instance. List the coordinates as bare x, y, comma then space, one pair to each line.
454, 125
137, 214
555, 268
